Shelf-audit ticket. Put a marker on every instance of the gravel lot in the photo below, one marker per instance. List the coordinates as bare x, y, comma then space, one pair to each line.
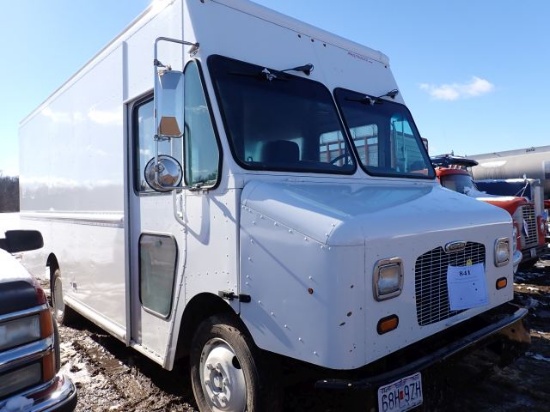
111, 377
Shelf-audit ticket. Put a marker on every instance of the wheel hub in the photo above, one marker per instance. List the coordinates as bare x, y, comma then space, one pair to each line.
222, 378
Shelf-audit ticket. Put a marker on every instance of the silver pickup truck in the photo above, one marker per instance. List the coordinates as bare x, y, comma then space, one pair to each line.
29, 341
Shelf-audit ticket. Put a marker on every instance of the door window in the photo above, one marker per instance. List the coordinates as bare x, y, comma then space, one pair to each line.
157, 272
144, 147
202, 155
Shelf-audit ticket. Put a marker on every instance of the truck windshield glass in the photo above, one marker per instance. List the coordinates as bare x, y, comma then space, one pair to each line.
459, 183
278, 121
384, 135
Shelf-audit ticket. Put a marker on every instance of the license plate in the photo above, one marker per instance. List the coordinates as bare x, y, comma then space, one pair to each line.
401, 395
533, 252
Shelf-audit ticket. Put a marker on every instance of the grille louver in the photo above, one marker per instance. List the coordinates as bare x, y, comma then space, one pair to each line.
432, 297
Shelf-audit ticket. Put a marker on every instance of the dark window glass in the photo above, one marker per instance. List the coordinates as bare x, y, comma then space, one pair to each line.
144, 149
278, 121
202, 155
384, 136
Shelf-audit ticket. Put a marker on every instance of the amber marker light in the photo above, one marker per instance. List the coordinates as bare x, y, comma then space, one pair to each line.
48, 367
387, 324
502, 283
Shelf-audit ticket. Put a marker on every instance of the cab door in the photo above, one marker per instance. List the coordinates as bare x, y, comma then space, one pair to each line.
165, 227
157, 241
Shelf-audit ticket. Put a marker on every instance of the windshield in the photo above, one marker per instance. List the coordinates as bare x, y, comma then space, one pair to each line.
459, 183
384, 135
278, 121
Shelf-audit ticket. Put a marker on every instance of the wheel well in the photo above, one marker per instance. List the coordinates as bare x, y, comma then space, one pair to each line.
198, 309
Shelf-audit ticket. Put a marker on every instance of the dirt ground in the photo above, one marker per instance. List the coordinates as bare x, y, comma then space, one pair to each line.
111, 377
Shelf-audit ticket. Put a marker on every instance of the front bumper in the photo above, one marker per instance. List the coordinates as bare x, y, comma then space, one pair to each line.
483, 329
58, 395
533, 253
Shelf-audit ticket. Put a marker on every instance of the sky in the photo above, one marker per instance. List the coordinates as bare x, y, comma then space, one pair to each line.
475, 74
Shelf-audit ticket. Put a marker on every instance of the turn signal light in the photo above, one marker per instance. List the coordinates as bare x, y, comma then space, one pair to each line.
502, 283
48, 367
387, 324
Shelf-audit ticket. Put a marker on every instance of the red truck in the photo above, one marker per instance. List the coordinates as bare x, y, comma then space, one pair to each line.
530, 227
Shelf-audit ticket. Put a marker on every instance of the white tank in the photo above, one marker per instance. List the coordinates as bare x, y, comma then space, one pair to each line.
533, 163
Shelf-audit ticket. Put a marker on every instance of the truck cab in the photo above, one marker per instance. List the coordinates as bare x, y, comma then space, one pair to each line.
529, 222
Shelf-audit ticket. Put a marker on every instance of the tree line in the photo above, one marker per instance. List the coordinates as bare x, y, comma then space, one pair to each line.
9, 193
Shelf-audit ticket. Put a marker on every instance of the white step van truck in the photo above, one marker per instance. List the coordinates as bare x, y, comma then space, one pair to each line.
228, 185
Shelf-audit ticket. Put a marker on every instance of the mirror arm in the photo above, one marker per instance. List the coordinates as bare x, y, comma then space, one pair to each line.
194, 48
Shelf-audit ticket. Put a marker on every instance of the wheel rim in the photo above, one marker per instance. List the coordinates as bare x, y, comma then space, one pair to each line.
222, 378
58, 304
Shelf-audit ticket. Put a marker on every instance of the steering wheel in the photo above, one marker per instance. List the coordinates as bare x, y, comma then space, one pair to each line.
346, 156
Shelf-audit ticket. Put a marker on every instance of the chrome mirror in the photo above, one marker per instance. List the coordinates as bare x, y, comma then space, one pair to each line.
169, 103
163, 173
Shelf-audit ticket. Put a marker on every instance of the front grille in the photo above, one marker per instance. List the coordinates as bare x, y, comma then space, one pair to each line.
529, 229
432, 296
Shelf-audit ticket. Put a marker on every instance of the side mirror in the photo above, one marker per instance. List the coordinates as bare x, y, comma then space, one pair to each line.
22, 241
168, 103
163, 173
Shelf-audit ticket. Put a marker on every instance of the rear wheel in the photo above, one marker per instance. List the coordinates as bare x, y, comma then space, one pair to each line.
228, 372
63, 314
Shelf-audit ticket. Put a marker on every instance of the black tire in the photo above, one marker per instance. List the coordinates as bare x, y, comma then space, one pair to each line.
228, 372
62, 313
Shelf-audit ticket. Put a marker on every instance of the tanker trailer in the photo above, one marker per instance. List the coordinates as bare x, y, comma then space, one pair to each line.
532, 163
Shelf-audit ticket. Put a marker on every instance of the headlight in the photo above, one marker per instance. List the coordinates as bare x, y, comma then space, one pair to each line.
19, 331
502, 251
20, 378
388, 278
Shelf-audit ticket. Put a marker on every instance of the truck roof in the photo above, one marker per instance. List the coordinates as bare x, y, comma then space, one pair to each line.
451, 160
246, 6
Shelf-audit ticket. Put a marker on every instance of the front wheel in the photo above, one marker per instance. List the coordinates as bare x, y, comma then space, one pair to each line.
228, 372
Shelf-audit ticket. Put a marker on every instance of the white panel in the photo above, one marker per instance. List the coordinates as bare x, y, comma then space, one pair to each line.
308, 251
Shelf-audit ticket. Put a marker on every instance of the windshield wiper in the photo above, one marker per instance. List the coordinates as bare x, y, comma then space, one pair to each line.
270, 75
265, 74
306, 69
372, 100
